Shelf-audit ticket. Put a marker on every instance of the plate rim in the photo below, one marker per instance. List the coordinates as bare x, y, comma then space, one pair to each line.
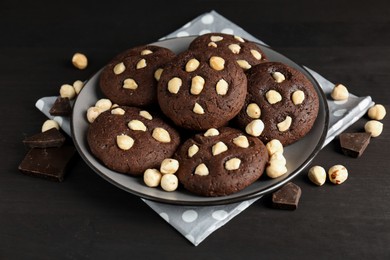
223, 199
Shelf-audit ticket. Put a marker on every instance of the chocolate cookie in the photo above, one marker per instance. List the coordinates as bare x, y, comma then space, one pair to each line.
220, 162
246, 53
130, 140
201, 89
131, 77
281, 103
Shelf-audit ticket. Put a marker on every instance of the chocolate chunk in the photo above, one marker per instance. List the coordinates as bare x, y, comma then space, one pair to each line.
287, 197
47, 139
354, 144
48, 163
61, 107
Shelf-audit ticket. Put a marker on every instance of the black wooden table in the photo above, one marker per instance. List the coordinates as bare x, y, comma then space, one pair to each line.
86, 217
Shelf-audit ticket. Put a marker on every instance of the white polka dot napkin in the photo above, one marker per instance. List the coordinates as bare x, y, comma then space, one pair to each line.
198, 222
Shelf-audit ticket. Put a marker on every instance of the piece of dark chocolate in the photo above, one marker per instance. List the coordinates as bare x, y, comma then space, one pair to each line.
354, 144
47, 139
287, 197
61, 107
48, 163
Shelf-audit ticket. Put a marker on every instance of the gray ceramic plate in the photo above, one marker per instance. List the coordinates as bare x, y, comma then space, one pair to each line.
298, 155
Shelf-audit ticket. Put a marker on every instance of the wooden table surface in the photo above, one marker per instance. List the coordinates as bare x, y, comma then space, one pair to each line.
85, 217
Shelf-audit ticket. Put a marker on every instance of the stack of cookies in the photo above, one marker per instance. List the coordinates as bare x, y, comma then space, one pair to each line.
209, 111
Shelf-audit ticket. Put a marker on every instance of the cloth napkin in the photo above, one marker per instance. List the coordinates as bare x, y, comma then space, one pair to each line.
197, 222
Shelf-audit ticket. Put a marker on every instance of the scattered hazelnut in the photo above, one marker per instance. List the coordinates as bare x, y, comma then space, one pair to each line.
68, 91
274, 146
285, 124
157, 73
216, 38
317, 175
169, 182
238, 38
197, 84
119, 68
78, 85
253, 110
141, 64
146, 52
278, 158
373, 127
255, 128
275, 170
234, 48
49, 124
104, 104
169, 166
278, 77
273, 96
174, 85
118, 111
145, 114
152, 177
377, 112
130, 84
217, 63
339, 92
79, 60
93, 113
192, 65
256, 54
298, 97
337, 174
198, 109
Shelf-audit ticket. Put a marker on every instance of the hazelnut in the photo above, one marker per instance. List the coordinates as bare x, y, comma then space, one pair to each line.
253, 110
244, 64
275, 170
137, 125
192, 150
161, 135
241, 141
238, 38
216, 38
152, 177
169, 166
273, 96
130, 84
145, 114
274, 146
212, 44
317, 175
79, 60
219, 148
169, 182
49, 124
118, 111
197, 84
67, 91
119, 68
278, 77
174, 85
377, 112
339, 92
373, 127
285, 124
256, 54
337, 174
235, 48
78, 85
141, 64
124, 142
198, 109
192, 65
93, 113
298, 97
146, 52
233, 164
255, 128
277, 158
217, 63
157, 73
211, 132
104, 104
222, 87
201, 170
